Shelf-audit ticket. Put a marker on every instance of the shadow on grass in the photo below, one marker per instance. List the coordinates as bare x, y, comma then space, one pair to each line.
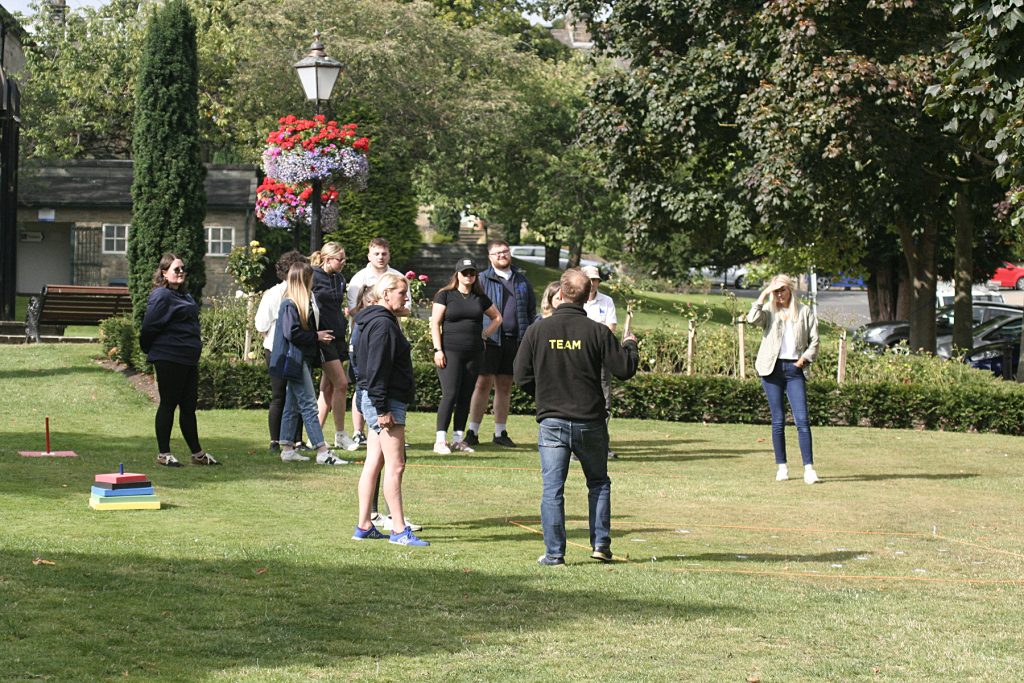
837, 556
885, 477
37, 372
153, 617
704, 454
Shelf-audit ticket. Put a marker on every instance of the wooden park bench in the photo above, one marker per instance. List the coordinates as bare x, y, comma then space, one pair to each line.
74, 305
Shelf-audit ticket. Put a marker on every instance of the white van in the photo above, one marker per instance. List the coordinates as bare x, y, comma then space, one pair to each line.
945, 293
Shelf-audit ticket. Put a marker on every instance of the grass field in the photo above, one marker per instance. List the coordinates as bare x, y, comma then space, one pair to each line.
904, 564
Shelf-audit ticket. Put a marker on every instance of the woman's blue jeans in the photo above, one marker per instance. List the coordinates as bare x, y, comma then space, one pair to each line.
556, 441
787, 381
300, 404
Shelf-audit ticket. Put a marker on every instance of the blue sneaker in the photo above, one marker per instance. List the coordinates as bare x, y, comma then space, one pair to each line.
407, 537
370, 534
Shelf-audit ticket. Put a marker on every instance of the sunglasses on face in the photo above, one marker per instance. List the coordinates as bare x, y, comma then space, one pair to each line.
468, 273
179, 271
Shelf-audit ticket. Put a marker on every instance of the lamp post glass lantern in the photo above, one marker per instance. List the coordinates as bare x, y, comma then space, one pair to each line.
318, 73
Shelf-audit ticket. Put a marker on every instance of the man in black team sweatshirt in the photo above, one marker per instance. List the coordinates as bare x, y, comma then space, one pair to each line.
559, 364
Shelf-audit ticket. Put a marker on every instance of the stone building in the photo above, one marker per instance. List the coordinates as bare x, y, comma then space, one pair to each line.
74, 218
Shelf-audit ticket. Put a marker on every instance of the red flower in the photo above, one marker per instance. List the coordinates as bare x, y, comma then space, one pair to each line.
362, 144
423, 278
410, 275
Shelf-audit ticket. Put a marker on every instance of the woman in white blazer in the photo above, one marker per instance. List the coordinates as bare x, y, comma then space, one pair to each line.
788, 346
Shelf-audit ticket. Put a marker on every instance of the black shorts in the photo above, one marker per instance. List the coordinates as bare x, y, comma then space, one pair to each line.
334, 350
499, 359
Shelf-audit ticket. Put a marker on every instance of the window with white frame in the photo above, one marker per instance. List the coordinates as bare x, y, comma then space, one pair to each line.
219, 240
115, 238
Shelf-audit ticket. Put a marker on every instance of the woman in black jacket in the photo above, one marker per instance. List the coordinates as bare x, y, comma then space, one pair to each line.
297, 321
329, 288
387, 386
170, 337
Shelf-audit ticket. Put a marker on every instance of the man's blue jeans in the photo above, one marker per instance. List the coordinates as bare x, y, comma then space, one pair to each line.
300, 404
787, 380
556, 441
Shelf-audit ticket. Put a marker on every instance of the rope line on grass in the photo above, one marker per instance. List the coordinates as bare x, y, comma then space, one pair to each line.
409, 464
815, 575
855, 577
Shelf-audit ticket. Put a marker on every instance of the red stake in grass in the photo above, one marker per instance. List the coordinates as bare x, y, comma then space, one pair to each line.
48, 453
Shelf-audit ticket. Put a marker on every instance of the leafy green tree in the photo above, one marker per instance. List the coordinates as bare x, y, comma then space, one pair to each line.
168, 197
797, 129
980, 94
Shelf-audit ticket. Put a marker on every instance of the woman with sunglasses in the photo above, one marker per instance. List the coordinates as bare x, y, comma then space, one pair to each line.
172, 343
789, 344
329, 288
458, 335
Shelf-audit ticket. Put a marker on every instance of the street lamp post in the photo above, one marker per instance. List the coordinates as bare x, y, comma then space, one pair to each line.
318, 73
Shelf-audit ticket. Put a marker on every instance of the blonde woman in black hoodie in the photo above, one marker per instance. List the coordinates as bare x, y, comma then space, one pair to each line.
387, 387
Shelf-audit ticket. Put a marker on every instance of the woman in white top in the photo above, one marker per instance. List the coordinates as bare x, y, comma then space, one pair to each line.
789, 344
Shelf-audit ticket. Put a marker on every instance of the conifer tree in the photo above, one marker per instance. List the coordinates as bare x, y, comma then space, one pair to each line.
168, 197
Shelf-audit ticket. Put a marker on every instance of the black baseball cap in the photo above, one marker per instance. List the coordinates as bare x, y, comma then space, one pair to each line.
465, 264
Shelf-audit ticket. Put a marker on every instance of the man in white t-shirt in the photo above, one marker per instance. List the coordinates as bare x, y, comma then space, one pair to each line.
600, 308
378, 257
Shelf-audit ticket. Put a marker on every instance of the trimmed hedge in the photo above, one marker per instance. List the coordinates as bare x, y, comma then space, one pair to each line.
983, 407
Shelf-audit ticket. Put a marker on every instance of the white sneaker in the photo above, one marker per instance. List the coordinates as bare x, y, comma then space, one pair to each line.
292, 456
385, 522
783, 473
344, 441
441, 448
810, 476
329, 458
462, 447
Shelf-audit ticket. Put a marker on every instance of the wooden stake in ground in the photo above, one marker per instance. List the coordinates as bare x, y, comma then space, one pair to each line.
691, 346
841, 371
741, 338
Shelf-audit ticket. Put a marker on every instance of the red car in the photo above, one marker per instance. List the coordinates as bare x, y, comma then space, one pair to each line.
1009, 276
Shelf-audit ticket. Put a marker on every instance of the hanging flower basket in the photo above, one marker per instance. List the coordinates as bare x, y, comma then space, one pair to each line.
302, 150
280, 205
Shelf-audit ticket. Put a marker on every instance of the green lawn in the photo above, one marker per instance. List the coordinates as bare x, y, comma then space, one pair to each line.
905, 564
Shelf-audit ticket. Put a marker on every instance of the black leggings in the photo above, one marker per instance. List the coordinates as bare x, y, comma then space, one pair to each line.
179, 387
458, 378
277, 390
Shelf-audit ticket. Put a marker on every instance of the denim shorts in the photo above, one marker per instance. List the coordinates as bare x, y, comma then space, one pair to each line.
396, 408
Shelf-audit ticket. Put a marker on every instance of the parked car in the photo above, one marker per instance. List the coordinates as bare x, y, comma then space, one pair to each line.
889, 333
733, 276
534, 253
945, 293
993, 357
1001, 329
839, 281
1008, 275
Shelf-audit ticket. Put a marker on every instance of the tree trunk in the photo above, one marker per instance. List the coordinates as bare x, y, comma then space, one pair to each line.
963, 319
919, 251
551, 257
905, 294
883, 287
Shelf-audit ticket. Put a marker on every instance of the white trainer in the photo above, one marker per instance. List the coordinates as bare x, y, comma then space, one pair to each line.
345, 442
441, 448
810, 476
293, 456
329, 458
384, 521
783, 473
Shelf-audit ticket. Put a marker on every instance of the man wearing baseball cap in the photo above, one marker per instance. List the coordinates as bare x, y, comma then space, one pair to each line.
600, 308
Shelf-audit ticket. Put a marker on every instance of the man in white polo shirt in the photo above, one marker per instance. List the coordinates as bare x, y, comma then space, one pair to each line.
600, 308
